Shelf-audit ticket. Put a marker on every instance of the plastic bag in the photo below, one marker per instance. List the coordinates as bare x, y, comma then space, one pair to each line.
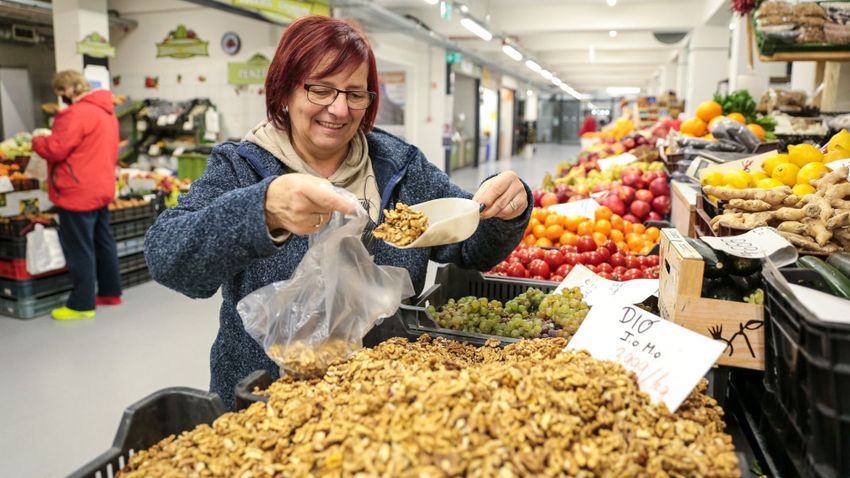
44, 251
334, 297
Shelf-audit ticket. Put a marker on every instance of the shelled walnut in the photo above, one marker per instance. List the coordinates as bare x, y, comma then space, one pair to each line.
401, 226
307, 360
441, 408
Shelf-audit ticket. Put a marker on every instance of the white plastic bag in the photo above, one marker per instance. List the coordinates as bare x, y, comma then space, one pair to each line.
333, 298
44, 251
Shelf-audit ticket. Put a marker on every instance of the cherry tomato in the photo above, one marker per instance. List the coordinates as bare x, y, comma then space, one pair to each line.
604, 253
592, 258
633, 262
605, 267
586, 244
653, 260
567, 249
632, 274
572, 258
620, 270
524, 256
537, 253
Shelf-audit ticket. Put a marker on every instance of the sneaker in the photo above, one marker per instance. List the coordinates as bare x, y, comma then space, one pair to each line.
64, 313
108, 300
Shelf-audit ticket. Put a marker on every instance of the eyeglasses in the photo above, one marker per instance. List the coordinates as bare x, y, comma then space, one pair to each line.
325, 95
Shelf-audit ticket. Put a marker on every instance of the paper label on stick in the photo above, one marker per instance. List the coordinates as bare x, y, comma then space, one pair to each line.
598, 290
620, 159
585, 208
760, 243
668, 359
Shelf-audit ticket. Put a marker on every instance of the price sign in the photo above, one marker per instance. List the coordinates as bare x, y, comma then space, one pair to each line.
759, 243
6, 185
597, 290
620, 159
585, 208
668, 359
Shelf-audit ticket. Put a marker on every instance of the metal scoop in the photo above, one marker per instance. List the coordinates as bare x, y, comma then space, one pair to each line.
450, 220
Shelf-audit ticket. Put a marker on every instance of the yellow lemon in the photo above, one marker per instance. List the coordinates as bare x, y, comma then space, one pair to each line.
736, 178
811, 171
786, 173
714, 178
802, 154
773, 161
757, 176
838, 152
839, 140
801, 190
768, 183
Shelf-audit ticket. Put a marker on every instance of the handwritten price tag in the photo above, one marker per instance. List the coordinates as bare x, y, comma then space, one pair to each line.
668, 359
584, 208
597, 290
620, 159
759, 243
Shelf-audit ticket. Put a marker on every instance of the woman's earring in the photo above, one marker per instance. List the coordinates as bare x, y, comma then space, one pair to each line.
286, 109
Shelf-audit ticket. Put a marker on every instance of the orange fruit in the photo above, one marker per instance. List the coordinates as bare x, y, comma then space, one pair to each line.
603, 226
552, 219
638, 228
604, 212
553, 232
540, 214
737, 117
623, 246
585, 228
531, 223
572, 223
616, 222
694, 127
646, 249
617, 235
539, 231
757, 130
635, 243
715, 120
543, 242
653, 233
568, 239
599, 238
529, 240
627, 227
707, 110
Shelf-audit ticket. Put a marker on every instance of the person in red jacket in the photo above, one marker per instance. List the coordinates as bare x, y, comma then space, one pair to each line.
589, 125
81, 154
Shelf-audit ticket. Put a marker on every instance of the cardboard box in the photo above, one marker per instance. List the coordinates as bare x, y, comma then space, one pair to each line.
683, 210
738, 324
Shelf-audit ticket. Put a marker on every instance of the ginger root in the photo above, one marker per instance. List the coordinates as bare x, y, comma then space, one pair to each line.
750, 205
843, 238
830, 179
809, 227
805, 243
774, 196
839, 220
817, 207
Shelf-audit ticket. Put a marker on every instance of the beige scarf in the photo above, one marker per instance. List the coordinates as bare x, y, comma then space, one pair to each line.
355, 174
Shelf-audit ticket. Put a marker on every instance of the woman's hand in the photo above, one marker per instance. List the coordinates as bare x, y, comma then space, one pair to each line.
301, 204
503, 196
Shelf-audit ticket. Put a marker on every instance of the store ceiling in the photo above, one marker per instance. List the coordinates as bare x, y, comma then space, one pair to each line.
572, 38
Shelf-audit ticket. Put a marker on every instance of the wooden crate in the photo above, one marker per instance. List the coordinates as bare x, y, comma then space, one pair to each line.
738, 324
683, 210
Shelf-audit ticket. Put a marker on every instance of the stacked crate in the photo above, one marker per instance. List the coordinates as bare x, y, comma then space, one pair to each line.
129, 225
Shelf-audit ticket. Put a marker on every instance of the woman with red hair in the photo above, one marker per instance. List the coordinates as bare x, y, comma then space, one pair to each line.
244, 224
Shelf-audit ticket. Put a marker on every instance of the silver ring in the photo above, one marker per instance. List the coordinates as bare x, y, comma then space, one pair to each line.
321, 220
512, 205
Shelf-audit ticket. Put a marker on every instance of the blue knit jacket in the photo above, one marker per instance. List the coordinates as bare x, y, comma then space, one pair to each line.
217, 237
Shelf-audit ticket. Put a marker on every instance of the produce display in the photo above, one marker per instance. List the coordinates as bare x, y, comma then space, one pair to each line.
729, 277
835, 272
442, 408
532, 314
401, 225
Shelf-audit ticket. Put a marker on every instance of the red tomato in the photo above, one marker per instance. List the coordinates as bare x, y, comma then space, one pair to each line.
604, 253
586, 244
605, 275
539, 267
617, 260
564, 270
553, 258
605, 267
653, 260
632, 274
572, 258
567, 249
592, 258
524, 256
612, 247
516, 269
537, 253
651, 272
620, 270
556, 278
633, 262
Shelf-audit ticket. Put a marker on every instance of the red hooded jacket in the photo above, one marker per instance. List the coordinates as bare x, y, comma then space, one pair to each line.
81, 153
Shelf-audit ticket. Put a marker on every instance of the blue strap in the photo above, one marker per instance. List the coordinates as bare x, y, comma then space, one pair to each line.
255, 164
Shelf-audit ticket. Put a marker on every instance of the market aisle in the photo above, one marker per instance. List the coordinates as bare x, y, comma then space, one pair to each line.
68, 383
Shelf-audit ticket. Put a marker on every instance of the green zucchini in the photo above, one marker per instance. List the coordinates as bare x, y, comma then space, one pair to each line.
841, 261
742, 266
747, 284
838, 283
709, 285
726, 291
715, 261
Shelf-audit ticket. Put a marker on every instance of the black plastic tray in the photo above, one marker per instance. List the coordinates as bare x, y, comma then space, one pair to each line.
130, 229
18, 226
131, 263
147, 211
13, 247
31, 308
807, 375
34, 288
167, 412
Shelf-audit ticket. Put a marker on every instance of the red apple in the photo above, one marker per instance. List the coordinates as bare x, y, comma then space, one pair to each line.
548, 199
659, 187
640, 208
631, 179
626, 194
644, 195
654, 216
615, 204
631, 218
537, 195
661, 204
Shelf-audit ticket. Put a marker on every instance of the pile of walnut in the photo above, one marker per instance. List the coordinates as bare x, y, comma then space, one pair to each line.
435, 408
818, 222
401, 226
303, 360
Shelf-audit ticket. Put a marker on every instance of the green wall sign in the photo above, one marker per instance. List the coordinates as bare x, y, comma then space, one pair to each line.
182, 43
282, 11
454, 57
95, 45
251, 72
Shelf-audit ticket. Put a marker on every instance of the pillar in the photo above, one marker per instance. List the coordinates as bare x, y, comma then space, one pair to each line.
73, 20
707, 64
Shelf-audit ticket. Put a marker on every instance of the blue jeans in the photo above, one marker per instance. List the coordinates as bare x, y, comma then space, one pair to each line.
91, 256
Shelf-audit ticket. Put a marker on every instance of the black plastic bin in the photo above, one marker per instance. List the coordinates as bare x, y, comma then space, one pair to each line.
807, 376
170, 411
130, 229
145, 211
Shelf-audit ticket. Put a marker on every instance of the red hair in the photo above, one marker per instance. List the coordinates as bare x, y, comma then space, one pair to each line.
303, 45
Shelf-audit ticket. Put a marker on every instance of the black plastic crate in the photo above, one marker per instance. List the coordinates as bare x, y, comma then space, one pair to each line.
18, 226
132, 213
132, 263
131, 229
130, 246
32, 307
134, 278
167, 412
13, 247
807, 374
34, 288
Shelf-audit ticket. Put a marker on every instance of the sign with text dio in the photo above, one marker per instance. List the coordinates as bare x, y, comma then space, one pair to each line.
668, 360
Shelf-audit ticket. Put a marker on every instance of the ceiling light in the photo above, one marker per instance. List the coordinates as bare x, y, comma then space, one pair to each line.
529, 93
546, 74
732, 26
533, 66
431, 2
612, 33
611, 3
464, 8
623, 90
475, 28
557, 81
512, 52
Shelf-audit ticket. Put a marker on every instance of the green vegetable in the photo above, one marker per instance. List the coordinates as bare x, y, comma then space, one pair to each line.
738, 102
757, 297
715, 262
725, 291
841, 261
838, 283
742, 266
747, 284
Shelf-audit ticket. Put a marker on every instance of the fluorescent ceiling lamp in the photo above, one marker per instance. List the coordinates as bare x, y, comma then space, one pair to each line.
623, 90
612, 33
732, 25
477, 29
546, 74
611, 3
512, 52
557, 81
431, 2
533, 66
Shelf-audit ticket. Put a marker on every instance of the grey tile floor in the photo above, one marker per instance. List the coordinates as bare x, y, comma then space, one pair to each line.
64, 386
